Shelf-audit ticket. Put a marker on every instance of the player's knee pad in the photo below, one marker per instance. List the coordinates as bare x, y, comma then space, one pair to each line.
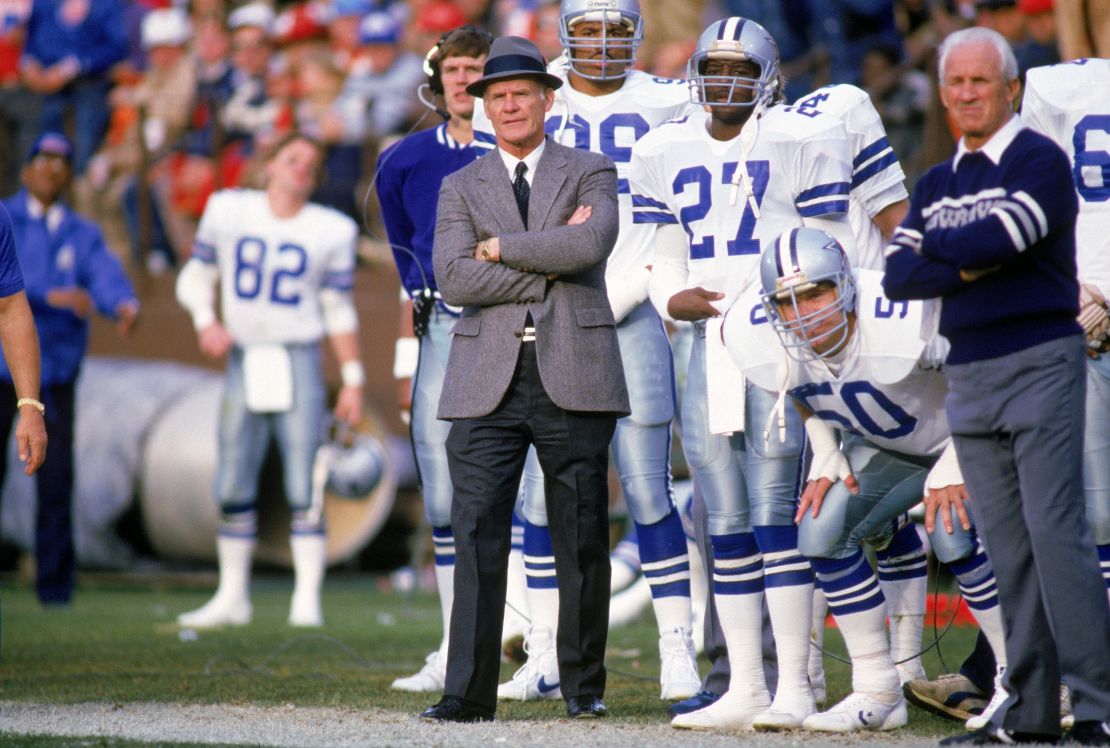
729, 522
949, 547
641, 455
825, 536
648, 367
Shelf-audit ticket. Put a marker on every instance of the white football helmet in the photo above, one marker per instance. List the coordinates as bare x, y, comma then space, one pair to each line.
355, 463
733, 39
624, 12
798, 261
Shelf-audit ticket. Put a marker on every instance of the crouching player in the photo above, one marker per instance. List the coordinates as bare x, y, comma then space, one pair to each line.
870, 369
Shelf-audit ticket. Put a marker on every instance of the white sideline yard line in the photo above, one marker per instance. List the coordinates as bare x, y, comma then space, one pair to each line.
316, 726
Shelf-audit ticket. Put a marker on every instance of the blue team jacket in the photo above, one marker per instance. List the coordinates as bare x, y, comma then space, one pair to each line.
75, 255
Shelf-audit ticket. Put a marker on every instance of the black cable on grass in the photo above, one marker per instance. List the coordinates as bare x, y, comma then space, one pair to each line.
263, 668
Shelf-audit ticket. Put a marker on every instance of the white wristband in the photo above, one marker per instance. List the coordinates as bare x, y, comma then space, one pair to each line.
352, 374
406, 354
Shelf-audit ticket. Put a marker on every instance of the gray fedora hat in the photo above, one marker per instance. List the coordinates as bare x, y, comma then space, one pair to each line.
512, 57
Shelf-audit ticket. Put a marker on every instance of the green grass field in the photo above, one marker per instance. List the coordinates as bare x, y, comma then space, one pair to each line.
118, 643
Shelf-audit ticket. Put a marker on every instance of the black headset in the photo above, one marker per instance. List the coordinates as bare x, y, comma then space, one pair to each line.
434, 58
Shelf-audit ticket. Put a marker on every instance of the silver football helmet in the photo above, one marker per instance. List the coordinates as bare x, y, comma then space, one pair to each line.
355, 463
624, 12
797, 262
734, 39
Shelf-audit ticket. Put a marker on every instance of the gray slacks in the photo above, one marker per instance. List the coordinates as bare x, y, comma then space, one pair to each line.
1017, 422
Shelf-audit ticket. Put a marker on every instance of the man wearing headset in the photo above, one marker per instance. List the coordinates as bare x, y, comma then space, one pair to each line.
408, 175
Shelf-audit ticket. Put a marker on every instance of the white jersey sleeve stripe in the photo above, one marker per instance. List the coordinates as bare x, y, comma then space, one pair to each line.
823, 199
872, 160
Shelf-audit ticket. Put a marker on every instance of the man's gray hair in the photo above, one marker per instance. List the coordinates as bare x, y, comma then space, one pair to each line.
1007, 62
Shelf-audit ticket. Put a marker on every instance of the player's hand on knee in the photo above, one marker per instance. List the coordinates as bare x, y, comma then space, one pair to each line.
693, 304
215, 341
944, 501
829, 465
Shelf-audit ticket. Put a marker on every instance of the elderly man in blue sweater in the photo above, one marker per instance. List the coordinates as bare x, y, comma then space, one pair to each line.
991, 231
69, 273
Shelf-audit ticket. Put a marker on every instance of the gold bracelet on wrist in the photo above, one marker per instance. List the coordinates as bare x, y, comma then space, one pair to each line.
33, 403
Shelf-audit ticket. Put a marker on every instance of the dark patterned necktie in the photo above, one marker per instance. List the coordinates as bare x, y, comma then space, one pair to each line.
521, 190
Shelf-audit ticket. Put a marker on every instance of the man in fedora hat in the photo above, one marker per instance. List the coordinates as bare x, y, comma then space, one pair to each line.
534, 361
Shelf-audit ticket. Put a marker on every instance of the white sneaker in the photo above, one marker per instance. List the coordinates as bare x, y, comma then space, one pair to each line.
428, 680
788, 711
678, 665
979, 721
733, 711
221, 610
538, 678
858, 712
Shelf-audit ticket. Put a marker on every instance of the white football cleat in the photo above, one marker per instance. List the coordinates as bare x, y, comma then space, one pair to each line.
733, 711
219, 611
538, 678
979, 721
429, 679
788, 711
858, 712
678, 665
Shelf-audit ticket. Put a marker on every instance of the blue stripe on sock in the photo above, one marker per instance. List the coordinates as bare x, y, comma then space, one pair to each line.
662, 540
537, 540
849, 584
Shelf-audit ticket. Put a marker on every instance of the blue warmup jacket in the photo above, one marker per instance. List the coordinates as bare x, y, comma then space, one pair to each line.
75, 255
408, 179
97, 38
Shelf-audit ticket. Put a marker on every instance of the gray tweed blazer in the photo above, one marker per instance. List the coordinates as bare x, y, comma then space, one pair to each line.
576, 339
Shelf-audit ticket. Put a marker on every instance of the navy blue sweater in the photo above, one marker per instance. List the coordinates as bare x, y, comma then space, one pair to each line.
1017, 216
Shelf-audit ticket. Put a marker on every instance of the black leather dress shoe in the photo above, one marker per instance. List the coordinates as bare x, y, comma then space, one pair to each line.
457, 709
992, 735
585, 707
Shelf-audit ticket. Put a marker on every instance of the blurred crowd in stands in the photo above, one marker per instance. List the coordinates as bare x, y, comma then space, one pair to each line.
168, 101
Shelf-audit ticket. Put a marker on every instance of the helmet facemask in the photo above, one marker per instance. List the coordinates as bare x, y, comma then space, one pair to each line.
801, 261
617, 53
735, 40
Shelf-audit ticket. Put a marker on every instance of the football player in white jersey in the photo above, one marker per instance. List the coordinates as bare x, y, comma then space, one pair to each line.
285, 268
606, 107
870, 368
879, 201
716, 185
1070, 103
